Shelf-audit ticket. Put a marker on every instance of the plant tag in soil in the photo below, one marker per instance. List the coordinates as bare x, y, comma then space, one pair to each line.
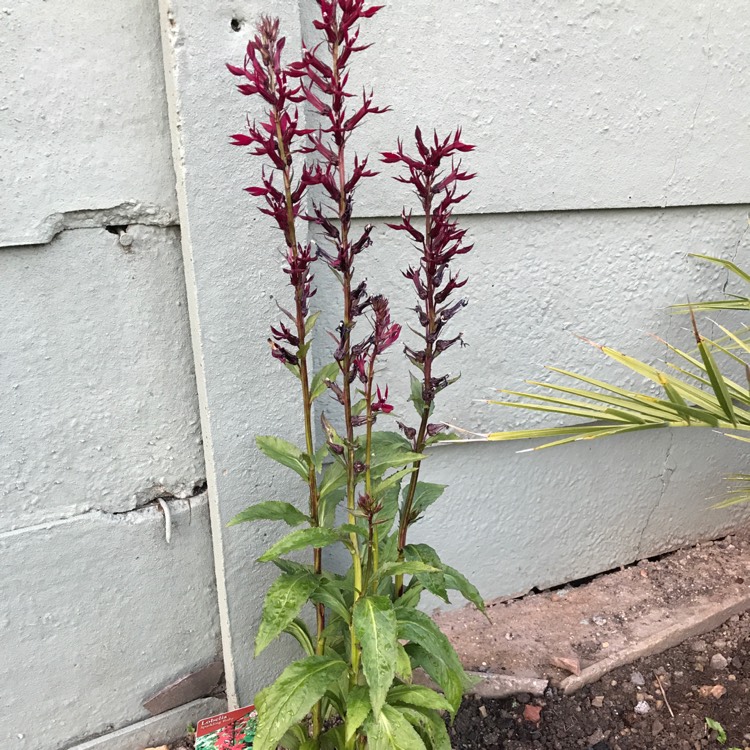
234, 730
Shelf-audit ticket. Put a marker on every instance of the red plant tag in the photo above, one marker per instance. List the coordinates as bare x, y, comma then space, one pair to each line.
234, 730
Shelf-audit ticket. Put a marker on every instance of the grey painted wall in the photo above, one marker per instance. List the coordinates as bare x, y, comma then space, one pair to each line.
609, 147
97, 388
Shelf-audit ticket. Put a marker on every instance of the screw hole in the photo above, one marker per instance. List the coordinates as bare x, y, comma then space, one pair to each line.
236, 24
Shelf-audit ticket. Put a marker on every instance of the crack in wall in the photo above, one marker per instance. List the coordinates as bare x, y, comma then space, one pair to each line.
146, 500
123, 214
665, 475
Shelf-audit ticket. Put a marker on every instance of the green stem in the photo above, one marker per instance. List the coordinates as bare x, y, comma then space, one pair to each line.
312, 482
421, 441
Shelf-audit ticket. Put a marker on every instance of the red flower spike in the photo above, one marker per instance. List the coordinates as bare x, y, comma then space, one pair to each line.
434, 174
381, 402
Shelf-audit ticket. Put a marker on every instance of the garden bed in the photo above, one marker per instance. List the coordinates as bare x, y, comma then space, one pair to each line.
634, 659
626, 710
645, 655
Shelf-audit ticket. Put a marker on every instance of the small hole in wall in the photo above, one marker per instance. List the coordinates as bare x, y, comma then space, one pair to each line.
117, 229
236, 24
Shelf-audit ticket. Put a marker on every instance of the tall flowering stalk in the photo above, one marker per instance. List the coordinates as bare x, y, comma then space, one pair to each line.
354, 682
276, 139
438, 241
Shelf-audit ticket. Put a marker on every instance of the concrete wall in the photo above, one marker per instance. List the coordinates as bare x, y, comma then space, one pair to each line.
608, 137
97, 389
609, 147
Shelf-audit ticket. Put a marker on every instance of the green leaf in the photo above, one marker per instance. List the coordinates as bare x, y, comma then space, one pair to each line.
294, 738
419, 696
391, 450
311, 321
292, 696
430, 649
433, 582
313, 537
375, 627
318, 386
284, 601
357, 710
298, 630
425, 494
379, 488
458, 582
403, 664
721, 734
391, 731
451, 683
329, 593
271, 510
334, 478
430, 726
333, 739
416, 394
284, 453
406, 567
717, 382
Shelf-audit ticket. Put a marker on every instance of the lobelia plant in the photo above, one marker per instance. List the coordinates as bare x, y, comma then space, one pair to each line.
353, 688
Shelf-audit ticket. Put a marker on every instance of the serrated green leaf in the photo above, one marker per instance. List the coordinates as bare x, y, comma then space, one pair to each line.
433, 582
329, 593
292, 696
419, 696
375, 627
456, 581
430, 649
430, 726
406, 567
392, 480
425, 494
392, 731
313, 537
283, 452
318, 386
284, 601
271, 510
403, 664
357, 710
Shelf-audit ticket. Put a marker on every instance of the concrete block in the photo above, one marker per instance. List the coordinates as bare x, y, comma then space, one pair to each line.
84, 124
168, 726
97, 376
572, 106
99, 613
234, 282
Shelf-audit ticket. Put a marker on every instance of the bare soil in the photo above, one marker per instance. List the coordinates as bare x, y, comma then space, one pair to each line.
603, 716
657, 702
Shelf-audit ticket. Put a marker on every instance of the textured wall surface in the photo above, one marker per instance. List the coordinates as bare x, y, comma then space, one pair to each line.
609, 138
610, 105
83, 123
97, 388
233, 284
100, 612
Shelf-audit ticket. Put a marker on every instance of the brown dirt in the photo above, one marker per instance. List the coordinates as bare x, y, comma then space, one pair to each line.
592, 621
602, 716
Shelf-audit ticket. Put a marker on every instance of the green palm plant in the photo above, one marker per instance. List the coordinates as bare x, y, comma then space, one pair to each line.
695, 392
